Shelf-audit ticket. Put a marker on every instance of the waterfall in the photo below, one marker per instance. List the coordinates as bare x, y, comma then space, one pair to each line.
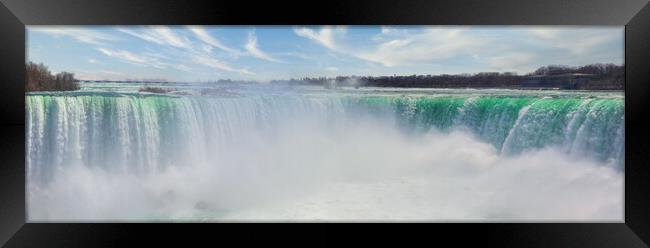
142, 133
151, 156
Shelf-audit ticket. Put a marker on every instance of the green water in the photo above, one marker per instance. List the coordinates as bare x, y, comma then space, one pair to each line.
146, 131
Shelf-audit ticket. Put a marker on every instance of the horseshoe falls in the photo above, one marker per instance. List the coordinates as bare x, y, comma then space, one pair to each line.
305, 154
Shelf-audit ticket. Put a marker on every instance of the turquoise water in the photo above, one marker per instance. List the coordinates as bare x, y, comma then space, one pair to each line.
109, 152
143, 132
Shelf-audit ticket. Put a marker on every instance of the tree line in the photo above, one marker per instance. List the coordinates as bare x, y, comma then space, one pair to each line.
601, 70
39, 78
592, 76
596, 76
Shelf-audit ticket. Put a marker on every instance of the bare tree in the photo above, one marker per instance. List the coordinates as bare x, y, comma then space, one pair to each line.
39, 78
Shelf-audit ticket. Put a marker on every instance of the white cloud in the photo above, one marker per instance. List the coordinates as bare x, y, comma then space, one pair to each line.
498, 48
251, 47
392, 48
387, 30
195, 53
207, 48
295, 54
182, 67
408, 49
82, 35
216, 64
545, 32
516, 62
126, 55
332, 69
137, 59
143, 59
99, 75
325, 36
204, 36
161, 35
579, 41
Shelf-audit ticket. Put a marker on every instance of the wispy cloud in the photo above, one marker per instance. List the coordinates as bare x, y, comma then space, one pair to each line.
577, 41
294, 54
79, 34
133, 58
332, 69
395, 48
519, 61
325, 36
251, 47
216, 64
545, 32
144, 59
184, 49
183, 67
114, 75
99, 75
161, 35
429, 45
126, 55
204, 36
198, 51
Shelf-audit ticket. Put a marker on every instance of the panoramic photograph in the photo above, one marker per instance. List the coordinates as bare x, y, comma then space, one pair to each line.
325, 123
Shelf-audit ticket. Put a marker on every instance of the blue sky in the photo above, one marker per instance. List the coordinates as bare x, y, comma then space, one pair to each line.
208, 53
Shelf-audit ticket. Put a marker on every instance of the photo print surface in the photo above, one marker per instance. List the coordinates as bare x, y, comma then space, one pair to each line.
324, 123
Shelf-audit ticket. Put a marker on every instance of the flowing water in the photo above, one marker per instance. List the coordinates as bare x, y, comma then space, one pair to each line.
108, 152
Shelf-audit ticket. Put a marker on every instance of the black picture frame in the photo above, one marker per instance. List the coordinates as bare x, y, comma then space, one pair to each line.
634, 14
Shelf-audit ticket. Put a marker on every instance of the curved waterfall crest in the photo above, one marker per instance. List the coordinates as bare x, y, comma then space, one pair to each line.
142, 133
